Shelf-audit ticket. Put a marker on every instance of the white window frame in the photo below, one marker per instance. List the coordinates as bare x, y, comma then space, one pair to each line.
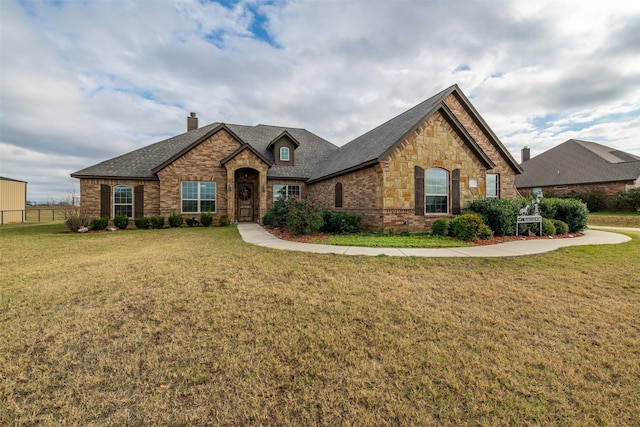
285, 191
119, 203
284, 154
492, 190
198, 197
436, 187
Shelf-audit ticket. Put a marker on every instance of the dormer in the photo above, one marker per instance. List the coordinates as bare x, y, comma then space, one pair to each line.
283, 148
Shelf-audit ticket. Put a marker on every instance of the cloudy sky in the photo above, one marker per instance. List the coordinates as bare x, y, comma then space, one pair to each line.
84, 81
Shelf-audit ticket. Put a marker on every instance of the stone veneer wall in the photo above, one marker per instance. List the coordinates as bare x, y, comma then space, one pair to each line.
246, 159
507, 175
90, 195
202, 163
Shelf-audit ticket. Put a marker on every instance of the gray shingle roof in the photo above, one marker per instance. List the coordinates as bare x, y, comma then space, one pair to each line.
141, 163
578, 162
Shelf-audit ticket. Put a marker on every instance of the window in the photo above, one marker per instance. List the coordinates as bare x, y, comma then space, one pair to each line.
198, 196
285, 191
493, 186
123, 200
338, 195
284, 154
560, 187
437, 190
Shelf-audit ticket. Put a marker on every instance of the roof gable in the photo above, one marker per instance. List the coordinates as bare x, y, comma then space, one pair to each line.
370, 148
578, 162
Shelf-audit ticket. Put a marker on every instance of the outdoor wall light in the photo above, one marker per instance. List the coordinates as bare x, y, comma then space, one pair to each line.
264, 188
230, 187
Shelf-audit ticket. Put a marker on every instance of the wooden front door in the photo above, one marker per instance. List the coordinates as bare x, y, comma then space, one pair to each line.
245, 202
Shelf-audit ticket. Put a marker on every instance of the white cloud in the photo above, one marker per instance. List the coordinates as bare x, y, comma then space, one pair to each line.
85, 81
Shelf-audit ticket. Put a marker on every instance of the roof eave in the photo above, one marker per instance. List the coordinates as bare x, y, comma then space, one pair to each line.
345, 171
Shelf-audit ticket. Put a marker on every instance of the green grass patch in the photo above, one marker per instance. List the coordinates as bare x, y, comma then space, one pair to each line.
193, 326
615, 219
418, 240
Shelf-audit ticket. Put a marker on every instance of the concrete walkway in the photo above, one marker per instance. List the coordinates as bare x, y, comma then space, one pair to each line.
255, 234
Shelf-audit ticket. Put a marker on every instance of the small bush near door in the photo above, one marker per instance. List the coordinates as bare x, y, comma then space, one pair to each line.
225, 221
99, 223
121, 221
175, 220
206, 219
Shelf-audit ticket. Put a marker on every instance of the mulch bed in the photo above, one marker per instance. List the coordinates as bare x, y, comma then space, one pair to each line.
284, 234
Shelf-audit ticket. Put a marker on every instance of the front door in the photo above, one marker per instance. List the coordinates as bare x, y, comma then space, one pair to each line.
245, 202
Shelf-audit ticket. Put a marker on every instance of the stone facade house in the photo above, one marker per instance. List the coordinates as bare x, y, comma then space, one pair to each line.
579, 167
428, 162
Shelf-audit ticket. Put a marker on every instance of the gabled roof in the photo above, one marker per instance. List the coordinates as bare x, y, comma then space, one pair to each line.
371, 147
282, 135
145, 162
578, 162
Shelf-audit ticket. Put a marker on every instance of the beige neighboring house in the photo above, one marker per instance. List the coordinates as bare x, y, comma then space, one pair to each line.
579, 167
428, 162
13, 200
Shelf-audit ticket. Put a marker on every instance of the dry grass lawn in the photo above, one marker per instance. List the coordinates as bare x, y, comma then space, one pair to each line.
196, 327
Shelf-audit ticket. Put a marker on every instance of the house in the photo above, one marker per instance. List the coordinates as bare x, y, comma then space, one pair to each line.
428, 162
579, 167
13, 200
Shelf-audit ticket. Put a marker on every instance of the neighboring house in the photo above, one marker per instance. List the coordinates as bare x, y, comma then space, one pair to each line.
579, 167
13, 200
428, 162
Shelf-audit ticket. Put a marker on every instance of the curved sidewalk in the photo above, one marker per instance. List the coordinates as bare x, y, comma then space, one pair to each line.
255, 234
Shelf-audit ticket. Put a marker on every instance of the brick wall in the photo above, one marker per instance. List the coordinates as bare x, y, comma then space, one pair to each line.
610, 189
90, 195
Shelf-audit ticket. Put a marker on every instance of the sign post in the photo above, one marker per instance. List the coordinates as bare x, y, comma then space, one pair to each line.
524, 217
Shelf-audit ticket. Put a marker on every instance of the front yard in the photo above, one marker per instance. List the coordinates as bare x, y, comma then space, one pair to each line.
192, 326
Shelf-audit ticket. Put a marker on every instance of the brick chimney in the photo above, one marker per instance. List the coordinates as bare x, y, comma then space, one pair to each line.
192, 122
526, 153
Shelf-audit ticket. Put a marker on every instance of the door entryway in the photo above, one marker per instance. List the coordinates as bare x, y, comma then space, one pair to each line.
246, 197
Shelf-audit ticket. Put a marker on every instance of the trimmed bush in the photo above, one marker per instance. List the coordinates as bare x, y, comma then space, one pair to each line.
628, 201
224, 221
141, 223
498, 214
156, 222
100, 223
595, 200
340, 222
485, 233
573, 212
121, 221
467, 226
277, 215
303, 217
206, 219
548, 229
440, 227
175, 220
561, 226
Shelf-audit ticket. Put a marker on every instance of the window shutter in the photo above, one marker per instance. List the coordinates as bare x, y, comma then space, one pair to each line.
105, 201
455, 192
138, 200
338, 198
419, 189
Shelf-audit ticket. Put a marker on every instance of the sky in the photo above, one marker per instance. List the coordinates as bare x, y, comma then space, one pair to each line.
83, 81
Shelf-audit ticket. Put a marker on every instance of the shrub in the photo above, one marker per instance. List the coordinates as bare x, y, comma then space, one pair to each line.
485, 233
277, 215
121, 221
498, 214
141, 223
595, 200
74, 219
573, 212
628, 201
548, 229
100, 223
224, 221
156, 222
440, 227
175, 220
561, 226
206, 219
303, 217
340, 222
467, 226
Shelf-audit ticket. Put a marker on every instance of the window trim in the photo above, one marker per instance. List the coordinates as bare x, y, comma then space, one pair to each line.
287, 193
129, 203
446, 194
284, 158
199, 199
496, 188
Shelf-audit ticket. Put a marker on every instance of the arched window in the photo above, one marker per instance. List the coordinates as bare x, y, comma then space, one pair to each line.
437, 190
338, 195
123, 200
284, 154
